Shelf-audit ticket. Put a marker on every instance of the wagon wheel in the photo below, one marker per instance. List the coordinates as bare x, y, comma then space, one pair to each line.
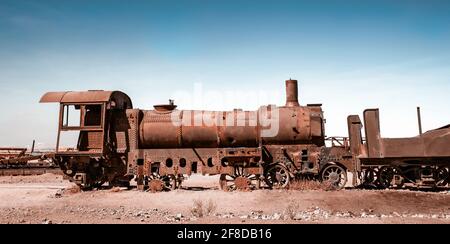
386, 176
277, 176
442, 176
239, 180
335, 175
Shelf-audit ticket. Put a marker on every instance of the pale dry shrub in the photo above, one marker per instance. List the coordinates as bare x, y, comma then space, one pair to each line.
199, 209
211, 207
292, 209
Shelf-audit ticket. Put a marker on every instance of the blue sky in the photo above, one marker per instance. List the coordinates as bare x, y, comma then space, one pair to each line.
348, 55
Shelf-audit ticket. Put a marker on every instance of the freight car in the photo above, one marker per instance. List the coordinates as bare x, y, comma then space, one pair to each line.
20, 161
270, 146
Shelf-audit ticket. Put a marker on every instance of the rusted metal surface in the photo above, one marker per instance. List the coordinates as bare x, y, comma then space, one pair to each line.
354, 133
165, 107
169, 128
11, 152
18, 161
86, 97
434, 143
372, 129
10, 156
420, 161
292, 93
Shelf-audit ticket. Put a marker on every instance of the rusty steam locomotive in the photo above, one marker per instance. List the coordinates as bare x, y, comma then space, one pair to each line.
270, 146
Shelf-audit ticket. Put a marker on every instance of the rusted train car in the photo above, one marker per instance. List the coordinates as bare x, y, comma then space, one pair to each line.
158, 147
421, 162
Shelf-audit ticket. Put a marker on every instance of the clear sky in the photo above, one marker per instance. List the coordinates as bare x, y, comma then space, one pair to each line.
348, 55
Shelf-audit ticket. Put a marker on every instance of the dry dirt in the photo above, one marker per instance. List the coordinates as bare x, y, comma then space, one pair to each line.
50, 199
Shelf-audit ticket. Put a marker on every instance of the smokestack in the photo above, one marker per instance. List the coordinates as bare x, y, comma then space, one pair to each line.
292, 93
419, 119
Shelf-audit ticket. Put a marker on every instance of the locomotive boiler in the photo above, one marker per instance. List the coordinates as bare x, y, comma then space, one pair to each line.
159, 147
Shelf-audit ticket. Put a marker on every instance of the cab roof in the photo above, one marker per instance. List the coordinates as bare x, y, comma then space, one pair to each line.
91, 96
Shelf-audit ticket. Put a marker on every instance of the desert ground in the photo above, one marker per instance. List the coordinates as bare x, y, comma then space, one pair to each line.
50, 199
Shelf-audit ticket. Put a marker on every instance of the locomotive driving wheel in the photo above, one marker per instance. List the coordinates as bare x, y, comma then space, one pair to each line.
277, 176
335, 175
157, 183
239, 180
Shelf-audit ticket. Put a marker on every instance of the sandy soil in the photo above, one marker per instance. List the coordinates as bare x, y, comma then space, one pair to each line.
50, 199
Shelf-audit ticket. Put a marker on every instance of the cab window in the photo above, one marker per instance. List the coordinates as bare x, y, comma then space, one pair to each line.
93, 115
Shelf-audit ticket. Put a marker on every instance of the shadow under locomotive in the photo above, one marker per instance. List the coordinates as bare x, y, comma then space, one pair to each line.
159, 147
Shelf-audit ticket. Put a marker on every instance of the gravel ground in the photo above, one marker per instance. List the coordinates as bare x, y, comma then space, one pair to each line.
49, 199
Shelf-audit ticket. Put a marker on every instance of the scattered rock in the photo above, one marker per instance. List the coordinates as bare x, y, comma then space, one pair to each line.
46, 222
59, 193
227, 216
298, 216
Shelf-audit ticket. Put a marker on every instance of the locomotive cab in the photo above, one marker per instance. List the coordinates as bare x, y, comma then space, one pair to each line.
91, 117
